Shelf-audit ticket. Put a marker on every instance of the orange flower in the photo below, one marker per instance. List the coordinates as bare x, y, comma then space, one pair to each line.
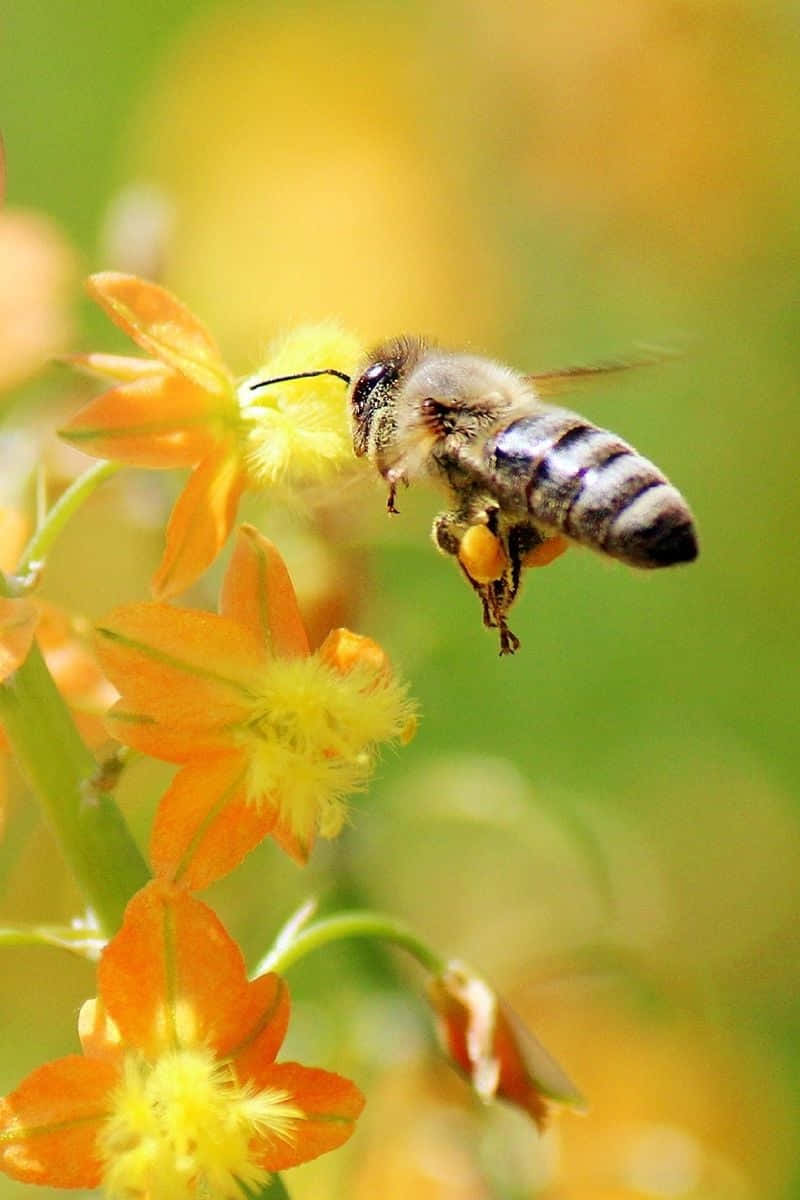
182, 408
177, 1093
487, 1041
271, 738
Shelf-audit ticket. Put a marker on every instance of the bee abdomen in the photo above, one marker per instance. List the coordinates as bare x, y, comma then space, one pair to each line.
589, 485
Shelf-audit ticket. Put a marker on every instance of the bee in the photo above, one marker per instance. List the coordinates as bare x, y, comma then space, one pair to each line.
523, 478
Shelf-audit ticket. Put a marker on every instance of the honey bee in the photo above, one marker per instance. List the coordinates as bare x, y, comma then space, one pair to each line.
523, 478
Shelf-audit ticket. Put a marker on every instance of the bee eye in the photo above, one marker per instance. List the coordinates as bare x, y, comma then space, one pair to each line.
379, 373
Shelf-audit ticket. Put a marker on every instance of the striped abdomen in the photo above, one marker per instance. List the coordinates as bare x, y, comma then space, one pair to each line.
587, 484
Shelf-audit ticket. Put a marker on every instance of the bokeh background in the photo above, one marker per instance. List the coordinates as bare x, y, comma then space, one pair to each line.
607, 824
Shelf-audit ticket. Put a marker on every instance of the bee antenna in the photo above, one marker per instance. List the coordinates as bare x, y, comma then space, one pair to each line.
300, 375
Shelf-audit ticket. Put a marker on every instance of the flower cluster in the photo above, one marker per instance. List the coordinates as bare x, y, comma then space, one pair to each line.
177, 1093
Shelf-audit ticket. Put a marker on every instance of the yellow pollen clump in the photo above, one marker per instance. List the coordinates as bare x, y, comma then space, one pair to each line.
298, 431
183, 1127
481, 554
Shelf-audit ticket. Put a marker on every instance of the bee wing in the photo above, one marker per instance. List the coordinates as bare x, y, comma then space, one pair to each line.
554, 383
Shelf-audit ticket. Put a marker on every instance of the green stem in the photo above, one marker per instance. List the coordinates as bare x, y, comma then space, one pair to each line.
67, 504
92, 833
357, 924
273, 1189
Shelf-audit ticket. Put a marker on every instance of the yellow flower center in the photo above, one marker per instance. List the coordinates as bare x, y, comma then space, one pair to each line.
312, 737
185, 1127
298, 431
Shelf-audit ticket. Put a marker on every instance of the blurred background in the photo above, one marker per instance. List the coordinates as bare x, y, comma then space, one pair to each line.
606, 825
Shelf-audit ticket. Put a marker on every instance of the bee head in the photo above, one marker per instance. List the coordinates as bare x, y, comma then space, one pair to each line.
375, 387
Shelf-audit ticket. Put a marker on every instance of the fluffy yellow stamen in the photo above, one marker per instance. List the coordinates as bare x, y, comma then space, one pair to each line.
313, 737
298, 432
183, 1127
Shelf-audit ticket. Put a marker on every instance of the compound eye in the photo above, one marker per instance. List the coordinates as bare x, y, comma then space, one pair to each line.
378, 373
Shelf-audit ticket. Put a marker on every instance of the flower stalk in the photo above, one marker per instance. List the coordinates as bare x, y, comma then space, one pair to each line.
91, 831
64, 508
356, 924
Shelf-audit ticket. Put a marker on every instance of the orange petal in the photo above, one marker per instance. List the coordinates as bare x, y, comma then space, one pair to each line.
258, 593
204, 825
18, 620
200, 522
121, 367
488, 1042
172, 977
266, 1027
49, 1125
161, 420
343, 650
100, 1037
182, 674
331, 1105
162, 326
297, 845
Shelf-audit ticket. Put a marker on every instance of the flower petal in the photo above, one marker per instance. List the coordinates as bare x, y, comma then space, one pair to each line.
266, 1029
123, 368
18, 619
160, 420
201, 521
204, 825
486, 1040
343, 650
297, 842
162, 326
48, 1126
100, 1037
330, 1103
172, 977
257, 592
184, 677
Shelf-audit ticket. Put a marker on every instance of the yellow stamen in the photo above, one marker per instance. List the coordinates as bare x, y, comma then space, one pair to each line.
183, 1127
312, 738
298, 431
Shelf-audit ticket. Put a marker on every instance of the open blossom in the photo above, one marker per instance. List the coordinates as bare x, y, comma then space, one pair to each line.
271, 738
177, 1093
182, 407
488, 1042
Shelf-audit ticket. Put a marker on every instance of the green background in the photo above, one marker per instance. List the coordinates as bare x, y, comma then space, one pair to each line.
623, 790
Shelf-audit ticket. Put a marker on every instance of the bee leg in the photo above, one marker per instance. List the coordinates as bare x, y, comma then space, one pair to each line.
522, 540
448, 534
509, 642
500, 597
394, 478
487, 562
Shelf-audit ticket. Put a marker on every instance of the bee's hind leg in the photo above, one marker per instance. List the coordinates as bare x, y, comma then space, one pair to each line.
484, 561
